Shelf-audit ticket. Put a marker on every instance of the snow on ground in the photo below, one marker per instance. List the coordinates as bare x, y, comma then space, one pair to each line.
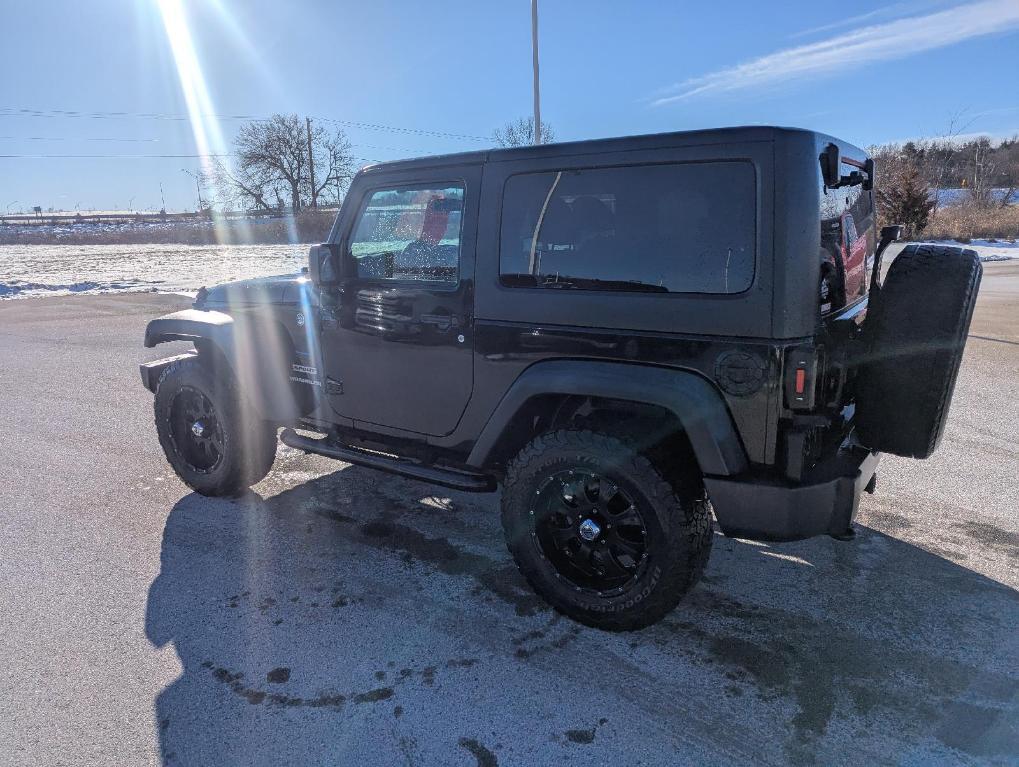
988, 250
54, 270
959, 196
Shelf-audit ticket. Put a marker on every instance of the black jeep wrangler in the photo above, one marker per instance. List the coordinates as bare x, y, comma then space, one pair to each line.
623, 334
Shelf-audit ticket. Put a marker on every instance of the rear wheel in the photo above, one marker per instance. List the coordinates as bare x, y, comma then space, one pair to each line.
214, 443
599, 532
914, 336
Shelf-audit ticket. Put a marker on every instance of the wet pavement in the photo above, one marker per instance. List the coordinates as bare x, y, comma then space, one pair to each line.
340, 616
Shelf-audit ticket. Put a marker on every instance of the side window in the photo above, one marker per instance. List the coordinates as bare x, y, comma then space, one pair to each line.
677, 228
410, 233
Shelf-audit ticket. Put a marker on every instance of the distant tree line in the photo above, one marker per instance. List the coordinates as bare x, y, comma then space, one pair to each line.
912, 177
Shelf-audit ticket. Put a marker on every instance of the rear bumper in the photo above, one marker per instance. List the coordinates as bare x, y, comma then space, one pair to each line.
768, 509
152, 370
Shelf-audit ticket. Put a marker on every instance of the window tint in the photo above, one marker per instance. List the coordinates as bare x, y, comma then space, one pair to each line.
681, 228
410, 233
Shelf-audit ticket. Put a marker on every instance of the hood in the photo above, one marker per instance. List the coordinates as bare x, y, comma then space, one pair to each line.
253, 292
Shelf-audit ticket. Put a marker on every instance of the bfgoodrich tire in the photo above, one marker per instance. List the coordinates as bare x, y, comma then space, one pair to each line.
598, 531
214, 443
914, 337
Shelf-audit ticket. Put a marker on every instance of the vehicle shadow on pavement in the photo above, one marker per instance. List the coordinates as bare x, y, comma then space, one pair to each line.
359, 619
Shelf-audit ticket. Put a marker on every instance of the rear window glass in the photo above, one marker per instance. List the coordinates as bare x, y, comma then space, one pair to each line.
678, 228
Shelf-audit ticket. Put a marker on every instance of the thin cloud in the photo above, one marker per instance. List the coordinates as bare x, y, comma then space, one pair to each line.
883, 42
891, 10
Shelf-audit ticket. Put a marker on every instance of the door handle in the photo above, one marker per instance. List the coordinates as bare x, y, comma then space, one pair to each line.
443, 322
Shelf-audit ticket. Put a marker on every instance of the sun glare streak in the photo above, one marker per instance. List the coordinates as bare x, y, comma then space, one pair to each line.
205, 127
308, 309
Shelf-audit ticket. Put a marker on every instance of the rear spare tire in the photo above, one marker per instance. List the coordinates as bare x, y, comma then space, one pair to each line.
914, 337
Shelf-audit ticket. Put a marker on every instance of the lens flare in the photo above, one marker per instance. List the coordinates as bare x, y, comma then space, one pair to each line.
205, 127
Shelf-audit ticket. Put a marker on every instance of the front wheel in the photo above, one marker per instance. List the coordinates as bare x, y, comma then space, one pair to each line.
214, 443
600, 533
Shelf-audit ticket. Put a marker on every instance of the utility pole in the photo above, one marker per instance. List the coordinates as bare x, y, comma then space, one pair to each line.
198, 186
311, 165
534, 62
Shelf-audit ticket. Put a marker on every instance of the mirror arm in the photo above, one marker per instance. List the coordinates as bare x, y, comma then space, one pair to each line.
889, 234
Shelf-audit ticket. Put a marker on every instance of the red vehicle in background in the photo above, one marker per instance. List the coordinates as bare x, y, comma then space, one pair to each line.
847, 237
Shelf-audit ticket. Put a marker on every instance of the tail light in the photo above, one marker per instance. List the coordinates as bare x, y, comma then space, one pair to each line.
801, 378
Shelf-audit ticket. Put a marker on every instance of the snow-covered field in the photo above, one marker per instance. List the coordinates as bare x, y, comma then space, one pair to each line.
959, 196
988, 250
28, 271
52, 270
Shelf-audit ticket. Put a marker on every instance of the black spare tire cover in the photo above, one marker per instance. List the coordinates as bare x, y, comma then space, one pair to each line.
914, 336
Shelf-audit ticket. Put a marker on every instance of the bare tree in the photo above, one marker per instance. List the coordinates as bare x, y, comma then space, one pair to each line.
1010, 172
235, 188
334, 166
981, 174
941, 154
521, 133
272, 163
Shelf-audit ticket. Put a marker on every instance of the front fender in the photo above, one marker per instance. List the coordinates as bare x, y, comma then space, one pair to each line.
257, 351
695, 402
189, 325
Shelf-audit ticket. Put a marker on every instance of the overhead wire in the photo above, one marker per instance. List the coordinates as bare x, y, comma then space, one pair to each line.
100, 115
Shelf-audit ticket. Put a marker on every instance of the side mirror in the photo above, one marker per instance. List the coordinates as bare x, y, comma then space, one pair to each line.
831, 166
322, 267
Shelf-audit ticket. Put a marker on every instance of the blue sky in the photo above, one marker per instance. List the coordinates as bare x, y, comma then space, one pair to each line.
868, 72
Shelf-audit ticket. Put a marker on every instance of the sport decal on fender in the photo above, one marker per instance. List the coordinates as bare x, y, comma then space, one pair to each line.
302, 373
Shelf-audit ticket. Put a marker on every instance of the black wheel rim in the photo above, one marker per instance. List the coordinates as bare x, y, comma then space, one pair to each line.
195, 430
590, 530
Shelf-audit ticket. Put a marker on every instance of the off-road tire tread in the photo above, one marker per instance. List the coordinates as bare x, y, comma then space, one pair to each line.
257, 436
688, 528
914, 348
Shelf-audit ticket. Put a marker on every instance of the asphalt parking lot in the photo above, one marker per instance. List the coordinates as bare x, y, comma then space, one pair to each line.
339, 616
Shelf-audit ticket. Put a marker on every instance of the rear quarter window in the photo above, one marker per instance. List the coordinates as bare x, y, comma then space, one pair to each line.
676, 228
848, 242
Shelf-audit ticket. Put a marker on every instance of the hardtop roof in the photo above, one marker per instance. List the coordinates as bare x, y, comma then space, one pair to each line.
674, 139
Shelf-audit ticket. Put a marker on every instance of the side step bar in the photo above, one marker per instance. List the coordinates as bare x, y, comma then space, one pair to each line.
457, 480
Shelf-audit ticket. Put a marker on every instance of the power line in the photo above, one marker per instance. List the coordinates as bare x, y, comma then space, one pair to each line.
132, 157
107, 156
24, 112
395, 129
76, 138
156, 141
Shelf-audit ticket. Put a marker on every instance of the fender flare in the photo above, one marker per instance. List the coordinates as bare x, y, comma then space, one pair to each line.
262, 370
695, 402
190, 325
